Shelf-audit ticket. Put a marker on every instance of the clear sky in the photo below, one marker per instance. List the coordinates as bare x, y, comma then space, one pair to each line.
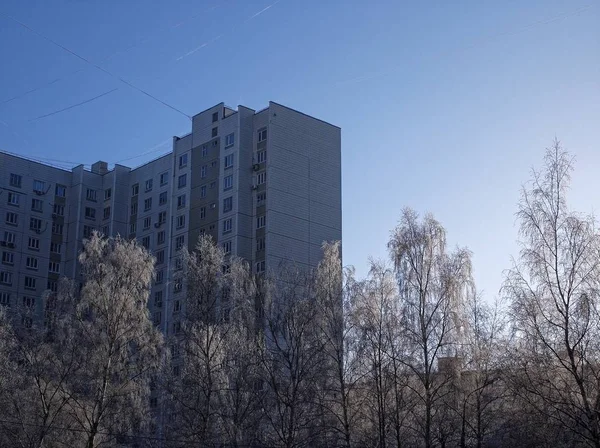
444, 106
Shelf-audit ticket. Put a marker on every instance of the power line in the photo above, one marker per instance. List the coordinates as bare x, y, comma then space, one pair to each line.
87, 61
74, 105
109, 57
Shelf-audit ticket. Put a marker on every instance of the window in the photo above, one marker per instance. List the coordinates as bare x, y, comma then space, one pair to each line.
90, 213
105, 230
134, 208
8, 258
52, 285
12, 218
179, 242
203, 191
181, 201
261, 156
60, 191
227, 225
182, 181
261, 221
213, 205
37, 205
261, 178
229, 161
146, 242
156, 320
178, 263
162, 217
57, 229
164, 178
9, 237
106, 214
149, 183
227, 204
58, 210
229, 140
183, 159
6, 278
260, 244
39, 186
228, 182
31, 263
35, 224
176, 330
261, 197
160, 275
90, 194
13, 198
158, 299
135, 189
133, 227
160, 237
55, 248
87, 231
213, 164
15, 180
178, 287
213, 184
147, 204
202, 212
147, 222
203, 170
28, 302
54, 267
30, 282
162, 198
204, 151
214, 132
262, 134
227, 247
215, 117
160, 257
180, 222
26, 321
4, 298
107, 194
33, 243
260, 266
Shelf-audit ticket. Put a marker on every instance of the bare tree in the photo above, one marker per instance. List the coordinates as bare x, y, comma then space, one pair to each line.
433, 286
374, 315
117, 345
290, 354
481, 388
334, 288
553, 287
214, 398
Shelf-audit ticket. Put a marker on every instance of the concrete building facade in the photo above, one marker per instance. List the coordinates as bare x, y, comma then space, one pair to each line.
266, 185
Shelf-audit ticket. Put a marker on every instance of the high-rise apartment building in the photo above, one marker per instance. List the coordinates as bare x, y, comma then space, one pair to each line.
265, 185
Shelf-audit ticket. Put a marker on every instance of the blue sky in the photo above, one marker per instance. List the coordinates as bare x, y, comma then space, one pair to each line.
444, 106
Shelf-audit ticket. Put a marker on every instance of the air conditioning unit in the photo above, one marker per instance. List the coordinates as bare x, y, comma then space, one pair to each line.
12, 245
54, 216
157, 225
256, 167
38, 192
3, 243
38, 231
255, 187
